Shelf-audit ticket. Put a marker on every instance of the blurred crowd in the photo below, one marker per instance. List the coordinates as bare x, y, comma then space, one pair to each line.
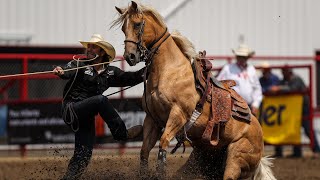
252, 87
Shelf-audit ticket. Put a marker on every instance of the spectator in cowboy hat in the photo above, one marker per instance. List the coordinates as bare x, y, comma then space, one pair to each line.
244, 74
83, 99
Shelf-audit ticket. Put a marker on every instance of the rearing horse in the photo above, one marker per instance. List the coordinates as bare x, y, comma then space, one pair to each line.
170, 98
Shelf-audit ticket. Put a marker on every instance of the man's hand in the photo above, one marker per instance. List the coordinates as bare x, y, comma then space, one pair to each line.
254, 111
274, 88
58, 71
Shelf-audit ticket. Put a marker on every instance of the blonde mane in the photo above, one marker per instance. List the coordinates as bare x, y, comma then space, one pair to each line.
142, 9
186, 47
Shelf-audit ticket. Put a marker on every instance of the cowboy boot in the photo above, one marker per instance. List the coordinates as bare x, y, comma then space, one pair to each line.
125, 134
134, 131
78, 163
120, 132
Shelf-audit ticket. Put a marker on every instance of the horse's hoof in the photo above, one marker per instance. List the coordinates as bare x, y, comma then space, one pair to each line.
144, 174
160, 176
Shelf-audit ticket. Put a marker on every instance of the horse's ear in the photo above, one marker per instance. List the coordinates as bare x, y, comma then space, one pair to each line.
120, 10
134, 6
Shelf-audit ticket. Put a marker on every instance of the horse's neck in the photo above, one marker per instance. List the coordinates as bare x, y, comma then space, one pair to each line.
169, 63
169, 56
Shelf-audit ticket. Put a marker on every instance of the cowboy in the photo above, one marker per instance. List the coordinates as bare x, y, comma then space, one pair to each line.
244, 74
83, 99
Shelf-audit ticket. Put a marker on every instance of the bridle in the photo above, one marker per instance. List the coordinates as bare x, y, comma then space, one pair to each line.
147, 53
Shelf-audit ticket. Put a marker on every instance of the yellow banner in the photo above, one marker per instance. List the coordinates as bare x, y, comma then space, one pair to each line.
280, 117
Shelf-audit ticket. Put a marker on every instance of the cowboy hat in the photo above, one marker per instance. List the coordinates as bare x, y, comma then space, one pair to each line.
265, 64
98, 40
243, 50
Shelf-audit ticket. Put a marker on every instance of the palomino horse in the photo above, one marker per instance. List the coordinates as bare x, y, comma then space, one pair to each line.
170, 99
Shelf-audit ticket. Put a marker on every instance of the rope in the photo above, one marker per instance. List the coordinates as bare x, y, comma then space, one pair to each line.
119, 91
49, 72
66, 70
74, 79
69, 112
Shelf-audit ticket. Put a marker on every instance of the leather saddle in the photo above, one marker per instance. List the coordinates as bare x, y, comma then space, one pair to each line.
225, 102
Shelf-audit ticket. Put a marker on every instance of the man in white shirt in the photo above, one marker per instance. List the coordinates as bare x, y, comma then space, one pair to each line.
248, 85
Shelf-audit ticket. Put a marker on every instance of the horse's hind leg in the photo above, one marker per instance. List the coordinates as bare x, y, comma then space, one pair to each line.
241, 160
232, 171
151, 134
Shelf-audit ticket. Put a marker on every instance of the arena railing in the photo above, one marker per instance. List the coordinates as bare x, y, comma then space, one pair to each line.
25, 60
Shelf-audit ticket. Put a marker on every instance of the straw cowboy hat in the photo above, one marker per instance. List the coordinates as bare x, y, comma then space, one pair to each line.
265, 64
98, 40
243, 50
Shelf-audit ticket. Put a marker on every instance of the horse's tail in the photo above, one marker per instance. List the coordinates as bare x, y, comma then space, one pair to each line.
264, 172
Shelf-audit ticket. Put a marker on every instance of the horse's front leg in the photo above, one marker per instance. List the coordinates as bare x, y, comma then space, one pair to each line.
151, 133
175, 122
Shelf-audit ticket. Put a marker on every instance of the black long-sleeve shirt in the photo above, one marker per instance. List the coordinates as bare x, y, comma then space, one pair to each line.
88, 82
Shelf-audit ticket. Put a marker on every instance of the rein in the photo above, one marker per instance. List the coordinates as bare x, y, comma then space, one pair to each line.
148, 59
151, 53
146, 55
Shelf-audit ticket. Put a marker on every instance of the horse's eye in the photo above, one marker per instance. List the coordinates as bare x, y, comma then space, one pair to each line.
137, 25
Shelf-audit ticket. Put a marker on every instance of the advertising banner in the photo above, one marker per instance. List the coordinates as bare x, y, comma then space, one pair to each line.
130, 111
280, 117
41, 123
3, 120
37, 124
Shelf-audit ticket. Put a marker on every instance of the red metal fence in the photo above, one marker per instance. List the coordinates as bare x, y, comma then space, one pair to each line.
26, 63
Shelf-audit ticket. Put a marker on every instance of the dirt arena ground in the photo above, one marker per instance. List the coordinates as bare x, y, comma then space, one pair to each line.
112, 166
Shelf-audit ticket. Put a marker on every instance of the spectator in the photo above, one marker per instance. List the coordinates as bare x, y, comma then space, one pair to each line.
83, 100
244, 74
294, 83
268, 79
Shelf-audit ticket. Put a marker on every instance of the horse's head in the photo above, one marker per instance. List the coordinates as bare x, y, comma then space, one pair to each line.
143, 28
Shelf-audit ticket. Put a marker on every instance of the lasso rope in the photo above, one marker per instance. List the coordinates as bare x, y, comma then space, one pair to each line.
66, 70
49, 72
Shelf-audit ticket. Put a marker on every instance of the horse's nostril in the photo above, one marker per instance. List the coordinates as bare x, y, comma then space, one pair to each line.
132, 56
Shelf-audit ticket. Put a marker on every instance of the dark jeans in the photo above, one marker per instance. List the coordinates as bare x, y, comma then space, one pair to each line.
85, 136
297, 150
